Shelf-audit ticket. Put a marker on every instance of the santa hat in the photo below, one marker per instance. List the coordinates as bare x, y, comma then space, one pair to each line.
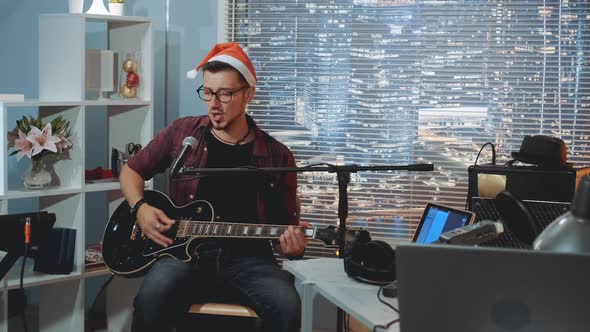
233, 55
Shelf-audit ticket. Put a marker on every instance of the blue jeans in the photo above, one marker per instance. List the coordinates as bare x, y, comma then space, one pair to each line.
171, 286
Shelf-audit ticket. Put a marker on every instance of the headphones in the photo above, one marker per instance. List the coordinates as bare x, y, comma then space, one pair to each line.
371, 262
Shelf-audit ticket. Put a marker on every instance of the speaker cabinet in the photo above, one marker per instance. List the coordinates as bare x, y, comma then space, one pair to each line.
525, 182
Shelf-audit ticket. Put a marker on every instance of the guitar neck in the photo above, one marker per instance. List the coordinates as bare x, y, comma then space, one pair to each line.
188, 228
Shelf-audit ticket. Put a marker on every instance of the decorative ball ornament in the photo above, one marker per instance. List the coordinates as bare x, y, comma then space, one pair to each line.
129, 78
128, 92
130, 66
132, 80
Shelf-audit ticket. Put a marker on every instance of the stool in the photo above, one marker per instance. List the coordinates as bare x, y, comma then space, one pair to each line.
225, 309
229, 315
230, 309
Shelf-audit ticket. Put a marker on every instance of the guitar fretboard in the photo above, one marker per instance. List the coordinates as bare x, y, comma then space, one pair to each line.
188, 228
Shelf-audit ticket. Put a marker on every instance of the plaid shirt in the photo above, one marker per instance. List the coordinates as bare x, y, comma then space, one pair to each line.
276, 201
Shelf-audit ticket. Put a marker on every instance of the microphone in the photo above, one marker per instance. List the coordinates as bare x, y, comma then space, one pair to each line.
477, 233
517, 218
188, 144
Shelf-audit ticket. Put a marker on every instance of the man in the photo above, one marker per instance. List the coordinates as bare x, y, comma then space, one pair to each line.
244, 269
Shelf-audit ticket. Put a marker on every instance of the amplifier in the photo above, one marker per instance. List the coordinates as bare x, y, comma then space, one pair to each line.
525, 182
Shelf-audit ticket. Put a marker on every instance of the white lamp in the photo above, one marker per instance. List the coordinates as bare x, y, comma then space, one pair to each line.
570, 232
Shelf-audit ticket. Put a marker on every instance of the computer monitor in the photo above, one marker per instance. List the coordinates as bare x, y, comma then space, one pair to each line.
466, 288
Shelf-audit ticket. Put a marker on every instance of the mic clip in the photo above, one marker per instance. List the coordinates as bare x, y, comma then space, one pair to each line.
187, 170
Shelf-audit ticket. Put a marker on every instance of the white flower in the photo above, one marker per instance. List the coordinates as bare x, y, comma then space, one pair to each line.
42, 139
24, 147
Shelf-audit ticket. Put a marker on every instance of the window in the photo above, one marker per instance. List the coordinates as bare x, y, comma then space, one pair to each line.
396, 82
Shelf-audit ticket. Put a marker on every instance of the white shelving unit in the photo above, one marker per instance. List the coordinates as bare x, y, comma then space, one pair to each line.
63, 41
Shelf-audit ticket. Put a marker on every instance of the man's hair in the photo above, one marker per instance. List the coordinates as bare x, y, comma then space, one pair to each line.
218, 66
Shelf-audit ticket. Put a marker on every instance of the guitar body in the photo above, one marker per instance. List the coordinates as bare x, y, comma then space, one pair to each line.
129, 254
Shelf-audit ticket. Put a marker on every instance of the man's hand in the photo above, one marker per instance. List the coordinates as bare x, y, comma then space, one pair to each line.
293, 242
153, 222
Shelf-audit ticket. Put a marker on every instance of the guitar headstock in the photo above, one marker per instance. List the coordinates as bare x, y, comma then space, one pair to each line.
331, 237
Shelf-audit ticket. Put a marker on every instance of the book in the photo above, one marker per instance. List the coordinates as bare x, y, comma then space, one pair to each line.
94, 255
6, 97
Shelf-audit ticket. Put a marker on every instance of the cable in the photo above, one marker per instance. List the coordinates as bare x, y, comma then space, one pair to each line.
22, 272
475, 164
385, 302
386, 326
102, 288
493, 153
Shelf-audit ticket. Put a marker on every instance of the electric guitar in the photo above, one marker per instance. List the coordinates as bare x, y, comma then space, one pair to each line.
129, 253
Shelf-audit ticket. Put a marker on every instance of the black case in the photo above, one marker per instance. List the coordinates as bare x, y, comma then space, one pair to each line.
56, 252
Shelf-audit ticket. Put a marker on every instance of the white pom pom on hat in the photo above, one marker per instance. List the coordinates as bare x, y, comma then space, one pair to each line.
232, 54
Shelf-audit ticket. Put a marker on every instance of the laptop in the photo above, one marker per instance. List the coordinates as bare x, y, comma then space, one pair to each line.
438, 219
462, 288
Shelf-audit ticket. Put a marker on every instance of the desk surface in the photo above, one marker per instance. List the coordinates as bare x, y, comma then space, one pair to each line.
328, 278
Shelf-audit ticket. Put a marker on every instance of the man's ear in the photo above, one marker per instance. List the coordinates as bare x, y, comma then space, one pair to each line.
250, 94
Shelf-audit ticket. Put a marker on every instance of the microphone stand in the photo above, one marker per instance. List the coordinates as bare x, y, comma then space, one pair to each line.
342, 175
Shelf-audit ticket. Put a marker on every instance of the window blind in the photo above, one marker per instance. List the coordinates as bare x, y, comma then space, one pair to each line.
396, 82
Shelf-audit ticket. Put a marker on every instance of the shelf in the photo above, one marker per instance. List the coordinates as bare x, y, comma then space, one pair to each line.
109, 185
70, 103
97, 126
96, 271
102, 186
42, 279
25, 193
117, 102
32, 278
106, 18
40, 103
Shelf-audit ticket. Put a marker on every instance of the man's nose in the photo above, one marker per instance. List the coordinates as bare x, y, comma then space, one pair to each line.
214, 101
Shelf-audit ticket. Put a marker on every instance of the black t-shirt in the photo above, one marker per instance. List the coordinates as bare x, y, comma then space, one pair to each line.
233, 195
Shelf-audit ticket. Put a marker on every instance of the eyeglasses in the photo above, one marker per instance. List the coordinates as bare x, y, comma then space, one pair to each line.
224, 96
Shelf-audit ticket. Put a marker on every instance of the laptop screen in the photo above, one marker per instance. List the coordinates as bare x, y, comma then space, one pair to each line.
438, 219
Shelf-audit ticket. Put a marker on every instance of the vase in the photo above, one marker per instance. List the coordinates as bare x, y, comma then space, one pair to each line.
38, 176
116, 8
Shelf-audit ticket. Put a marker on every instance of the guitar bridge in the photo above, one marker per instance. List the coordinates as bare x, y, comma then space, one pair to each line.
134, 232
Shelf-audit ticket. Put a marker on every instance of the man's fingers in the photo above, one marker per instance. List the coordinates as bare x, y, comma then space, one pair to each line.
164, 219
285, 241
159, 242
304, 224
159, 238
301, 240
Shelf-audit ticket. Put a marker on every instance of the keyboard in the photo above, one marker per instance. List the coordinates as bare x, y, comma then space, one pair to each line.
543, 213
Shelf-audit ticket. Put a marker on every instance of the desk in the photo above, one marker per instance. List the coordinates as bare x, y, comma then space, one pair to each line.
326, 276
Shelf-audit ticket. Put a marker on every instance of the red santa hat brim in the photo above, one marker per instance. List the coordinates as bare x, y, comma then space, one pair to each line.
232, 54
